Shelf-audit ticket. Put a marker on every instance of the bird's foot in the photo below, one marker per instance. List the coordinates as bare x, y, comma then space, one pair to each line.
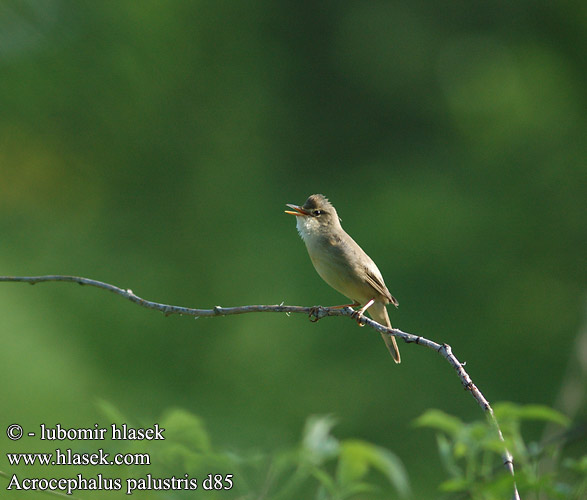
315, 313
358, 317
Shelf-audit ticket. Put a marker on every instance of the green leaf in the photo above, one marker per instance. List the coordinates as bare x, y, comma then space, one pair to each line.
358, 457
324, 479
358, 488
454, 485
178, 455
496, 445
530, 412
390, 465
439, 420
461, 449
317, 442
579, 465
354, 461
500, 487
539, 412
187, 429
112, 414
478, 431
446, 456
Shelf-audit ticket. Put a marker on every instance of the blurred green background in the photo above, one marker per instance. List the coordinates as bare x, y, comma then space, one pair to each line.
153, 145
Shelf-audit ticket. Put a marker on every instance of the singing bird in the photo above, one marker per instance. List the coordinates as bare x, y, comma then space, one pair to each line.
342, 263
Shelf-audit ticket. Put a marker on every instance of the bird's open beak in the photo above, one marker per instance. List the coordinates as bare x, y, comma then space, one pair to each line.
298, 210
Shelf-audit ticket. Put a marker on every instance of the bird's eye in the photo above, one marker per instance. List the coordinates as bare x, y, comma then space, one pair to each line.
318, 212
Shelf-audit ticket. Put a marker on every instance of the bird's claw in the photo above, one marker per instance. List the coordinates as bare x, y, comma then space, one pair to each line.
314, 314
358, 317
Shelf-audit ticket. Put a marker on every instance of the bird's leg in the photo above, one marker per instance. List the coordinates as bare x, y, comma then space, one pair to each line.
314, 316
359, 314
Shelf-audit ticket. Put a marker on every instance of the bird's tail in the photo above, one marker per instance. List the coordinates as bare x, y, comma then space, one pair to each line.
378, 312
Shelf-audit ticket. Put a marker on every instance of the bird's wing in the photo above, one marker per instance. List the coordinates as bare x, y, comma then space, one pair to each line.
347, 251
376, 281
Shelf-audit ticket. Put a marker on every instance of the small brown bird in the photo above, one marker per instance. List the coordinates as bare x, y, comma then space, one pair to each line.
342, 263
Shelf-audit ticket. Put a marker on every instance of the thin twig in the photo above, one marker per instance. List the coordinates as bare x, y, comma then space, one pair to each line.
315, 313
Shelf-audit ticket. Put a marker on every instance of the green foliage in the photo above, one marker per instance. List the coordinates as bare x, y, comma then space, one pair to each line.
324, 467
471, 453
320, 466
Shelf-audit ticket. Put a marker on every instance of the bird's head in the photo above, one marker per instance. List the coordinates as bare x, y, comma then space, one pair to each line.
316, 215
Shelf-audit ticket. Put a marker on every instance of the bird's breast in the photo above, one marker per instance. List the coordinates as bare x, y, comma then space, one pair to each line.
336, 265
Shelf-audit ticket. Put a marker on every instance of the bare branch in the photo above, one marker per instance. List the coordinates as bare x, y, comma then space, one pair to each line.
315, 313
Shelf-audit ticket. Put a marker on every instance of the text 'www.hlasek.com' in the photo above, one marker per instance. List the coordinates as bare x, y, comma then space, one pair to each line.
68, 456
